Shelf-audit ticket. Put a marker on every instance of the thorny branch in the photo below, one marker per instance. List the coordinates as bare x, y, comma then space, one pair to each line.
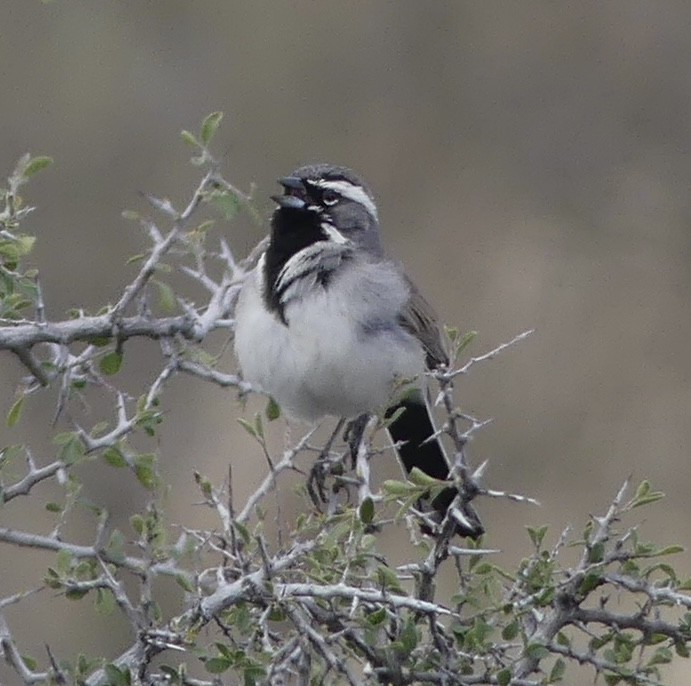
327, 605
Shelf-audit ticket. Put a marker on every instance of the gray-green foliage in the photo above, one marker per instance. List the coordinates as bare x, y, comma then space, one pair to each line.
318, 602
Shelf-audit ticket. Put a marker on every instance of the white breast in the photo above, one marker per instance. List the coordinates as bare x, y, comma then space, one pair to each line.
342, 352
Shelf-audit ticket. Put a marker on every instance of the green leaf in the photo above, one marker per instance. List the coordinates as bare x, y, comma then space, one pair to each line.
110, 364
99, 428
596, 553
557, 671
26, 244
652, 498
52, 579
392, 418
377, 617
537, 535
242, 530
504, 677
228, 203
399, 489
465, 341
15, 412
105, 601
19, 246
259, 425
184, 583
409, 637
36, 165
645, 495
388, 579
64, 562
510, 631
419, 478
148, 418
155, 611
71, 447
75, 593
598, 642
204, 485
662, 656
117, 676
145, 470
190, 139
273, 411
642, 490
99, 341
563, 639
30, 662
247, 426
277, 614
484, 568
670, 550
217, 665
367, 511
589, 583
166, 295
253, 675
209, 126
10, 453
644, 549
537, 651
131, 216
86, 666
681, 649
114, 457
116, 546
138, 523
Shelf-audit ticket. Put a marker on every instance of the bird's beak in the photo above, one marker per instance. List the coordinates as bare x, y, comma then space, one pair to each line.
295, 192
292, 183
289, 202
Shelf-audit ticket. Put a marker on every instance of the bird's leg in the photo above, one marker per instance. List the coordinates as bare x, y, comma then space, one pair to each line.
324, 466
353, 435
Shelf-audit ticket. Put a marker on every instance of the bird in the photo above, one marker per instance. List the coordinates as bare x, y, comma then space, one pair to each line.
328, 325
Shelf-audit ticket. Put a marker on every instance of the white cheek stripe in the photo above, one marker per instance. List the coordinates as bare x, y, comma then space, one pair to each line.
333, 233
354, 193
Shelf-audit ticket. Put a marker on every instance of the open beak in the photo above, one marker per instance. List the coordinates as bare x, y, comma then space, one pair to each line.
289, 202
294, 197
292, 183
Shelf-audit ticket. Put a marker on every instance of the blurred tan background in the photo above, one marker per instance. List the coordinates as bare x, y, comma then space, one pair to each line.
531, 163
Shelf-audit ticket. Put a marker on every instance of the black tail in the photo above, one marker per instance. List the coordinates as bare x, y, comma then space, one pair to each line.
412, 429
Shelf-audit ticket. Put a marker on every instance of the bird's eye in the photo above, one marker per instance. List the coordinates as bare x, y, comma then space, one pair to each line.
330, 197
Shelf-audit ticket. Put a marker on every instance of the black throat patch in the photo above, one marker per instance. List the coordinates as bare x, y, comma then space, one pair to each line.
292, 230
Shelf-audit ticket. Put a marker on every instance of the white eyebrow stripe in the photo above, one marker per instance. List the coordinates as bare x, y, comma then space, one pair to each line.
348, 190
333, 233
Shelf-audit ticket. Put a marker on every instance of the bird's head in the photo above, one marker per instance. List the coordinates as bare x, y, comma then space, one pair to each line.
332, 198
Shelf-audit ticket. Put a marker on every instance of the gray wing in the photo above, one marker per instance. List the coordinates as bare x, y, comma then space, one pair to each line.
419, 318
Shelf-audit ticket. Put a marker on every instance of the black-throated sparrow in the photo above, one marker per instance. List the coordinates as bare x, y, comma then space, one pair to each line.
327, 325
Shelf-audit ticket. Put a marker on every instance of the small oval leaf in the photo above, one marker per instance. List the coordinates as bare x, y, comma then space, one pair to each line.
367, 511
209, 126
15, 412
36, 164
111, 363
